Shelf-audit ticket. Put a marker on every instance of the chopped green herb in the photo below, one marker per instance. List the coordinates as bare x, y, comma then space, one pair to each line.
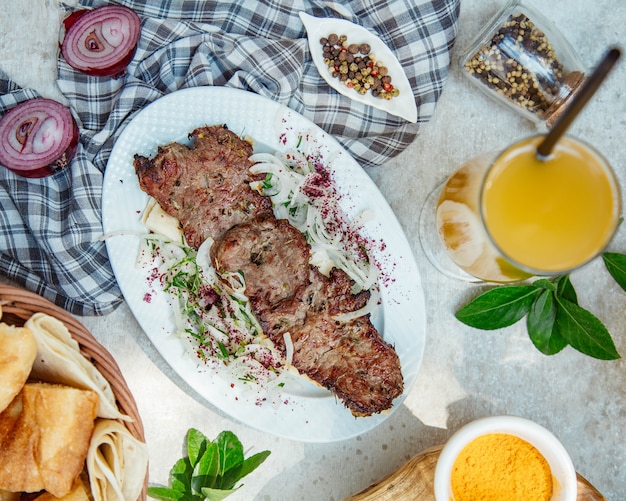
223, 350
266, 183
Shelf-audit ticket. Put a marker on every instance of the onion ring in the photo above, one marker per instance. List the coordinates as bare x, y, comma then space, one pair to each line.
37, 138
101, 42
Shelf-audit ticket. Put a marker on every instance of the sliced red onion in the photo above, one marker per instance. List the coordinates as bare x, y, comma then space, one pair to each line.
37, 138
101, 42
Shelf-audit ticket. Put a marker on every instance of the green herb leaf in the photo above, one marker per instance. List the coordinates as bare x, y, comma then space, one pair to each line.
248, 466
196, 445
541, 324
565, 289
216, 494
498, 307
206, 470
583, 331
544, 283
616, 264
209, 471
554, 317
180, 475
231, 451
253, 462
165, 494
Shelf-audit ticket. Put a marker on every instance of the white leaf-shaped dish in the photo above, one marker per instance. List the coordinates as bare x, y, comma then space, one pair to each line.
402, 105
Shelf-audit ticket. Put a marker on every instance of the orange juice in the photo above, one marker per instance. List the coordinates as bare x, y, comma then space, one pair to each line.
550, 215
507, 218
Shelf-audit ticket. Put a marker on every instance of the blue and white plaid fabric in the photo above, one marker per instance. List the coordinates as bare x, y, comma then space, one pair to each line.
50, 228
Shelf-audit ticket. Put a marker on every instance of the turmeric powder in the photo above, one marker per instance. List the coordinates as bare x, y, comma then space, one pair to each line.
499, 467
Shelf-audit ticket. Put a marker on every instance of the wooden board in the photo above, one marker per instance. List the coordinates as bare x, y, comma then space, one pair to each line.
416, 479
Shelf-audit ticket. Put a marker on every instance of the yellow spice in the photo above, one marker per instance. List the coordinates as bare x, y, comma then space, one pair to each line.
501, 467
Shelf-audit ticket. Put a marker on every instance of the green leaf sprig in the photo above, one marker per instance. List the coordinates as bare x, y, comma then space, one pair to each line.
210, 470
616, 264
554, 319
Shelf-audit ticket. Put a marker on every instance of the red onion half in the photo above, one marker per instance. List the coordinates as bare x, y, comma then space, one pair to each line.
101, 42
37, 138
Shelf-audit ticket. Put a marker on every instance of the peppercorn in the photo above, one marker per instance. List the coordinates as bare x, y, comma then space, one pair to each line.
500, 65
356, 66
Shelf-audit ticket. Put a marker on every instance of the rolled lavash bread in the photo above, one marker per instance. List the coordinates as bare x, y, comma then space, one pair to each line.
59, 360
116, 462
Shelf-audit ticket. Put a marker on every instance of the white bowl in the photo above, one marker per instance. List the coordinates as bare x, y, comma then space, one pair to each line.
563, 472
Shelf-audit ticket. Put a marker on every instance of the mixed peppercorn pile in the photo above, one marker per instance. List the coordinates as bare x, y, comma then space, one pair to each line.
355, 66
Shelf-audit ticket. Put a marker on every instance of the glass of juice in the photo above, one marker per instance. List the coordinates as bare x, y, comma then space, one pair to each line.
510, 215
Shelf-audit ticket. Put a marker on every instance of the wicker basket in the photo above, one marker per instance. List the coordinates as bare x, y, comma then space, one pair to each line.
19, 305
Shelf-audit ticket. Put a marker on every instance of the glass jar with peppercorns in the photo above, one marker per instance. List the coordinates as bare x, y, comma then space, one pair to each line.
523, 61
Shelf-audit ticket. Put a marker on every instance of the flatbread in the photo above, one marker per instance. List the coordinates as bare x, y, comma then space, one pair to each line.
160, 222
79, 492
59, 360
18, 350
9, 496
44, 438
117, 462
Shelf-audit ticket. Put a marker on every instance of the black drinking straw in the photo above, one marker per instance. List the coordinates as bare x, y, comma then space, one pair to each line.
578, 102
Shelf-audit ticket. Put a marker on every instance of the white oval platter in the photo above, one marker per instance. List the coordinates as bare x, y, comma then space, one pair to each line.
300, 410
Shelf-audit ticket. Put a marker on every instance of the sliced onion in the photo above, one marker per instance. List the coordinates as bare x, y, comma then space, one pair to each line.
101, 42
37, 138
289, 349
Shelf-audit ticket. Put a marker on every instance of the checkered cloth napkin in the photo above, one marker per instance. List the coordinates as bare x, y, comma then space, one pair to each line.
50, 228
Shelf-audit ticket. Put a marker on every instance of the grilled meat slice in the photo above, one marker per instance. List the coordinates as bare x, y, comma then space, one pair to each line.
351, 360
333, 293
204, 186
288, 295
273, 256
330, 295
348, 358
